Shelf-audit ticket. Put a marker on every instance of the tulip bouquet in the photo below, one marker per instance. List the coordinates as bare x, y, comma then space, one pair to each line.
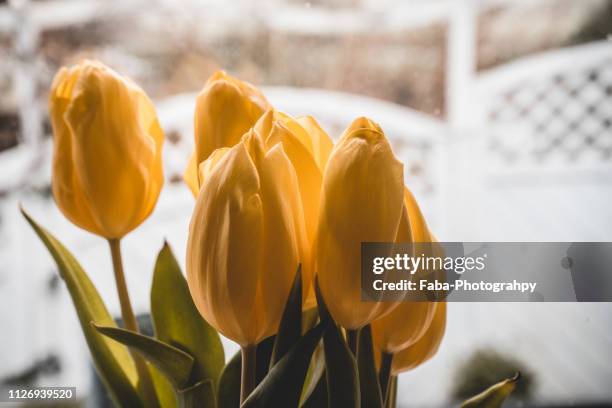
273, 252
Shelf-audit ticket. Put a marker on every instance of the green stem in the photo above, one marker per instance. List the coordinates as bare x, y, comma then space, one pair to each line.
145, 383
352, 339
248, 377
391, 400
385, 372
127, 313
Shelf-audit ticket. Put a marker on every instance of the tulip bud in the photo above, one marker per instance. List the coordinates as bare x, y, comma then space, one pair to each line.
225, 110
307, 147
407, 323
361, 201
107, 160
246, 239
426, 347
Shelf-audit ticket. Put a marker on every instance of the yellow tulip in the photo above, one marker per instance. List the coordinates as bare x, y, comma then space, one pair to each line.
107, 161
407, 323
361, 201
246, 239
308, 148
426, 347
225, 110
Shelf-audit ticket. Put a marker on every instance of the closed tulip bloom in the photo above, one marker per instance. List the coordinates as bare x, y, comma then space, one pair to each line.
426, 347
225, 110
246, 239
107, 161
361, 201
407, 323
308, 147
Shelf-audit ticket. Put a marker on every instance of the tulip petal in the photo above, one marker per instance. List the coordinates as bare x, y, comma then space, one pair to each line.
426, 347
322, 144
284, 234
208, 165
225, 109
225, 247
361, 123
408, 322
190, 176
418, 225
296, 129
64, 183
308, 174
403, 326
303, 148
361, 201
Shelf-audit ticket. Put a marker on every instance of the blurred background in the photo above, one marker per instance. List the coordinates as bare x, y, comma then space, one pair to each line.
501, 111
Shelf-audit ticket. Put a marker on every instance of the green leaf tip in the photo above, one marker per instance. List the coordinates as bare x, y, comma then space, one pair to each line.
495, 395
290, 327
173, 362
177, 322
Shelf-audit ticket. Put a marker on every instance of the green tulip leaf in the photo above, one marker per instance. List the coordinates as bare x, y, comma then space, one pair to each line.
282, 386
166, 392
494, 396
200, 395
315, 372
173, 362
264, 355
177, 321
318, 397
340, 364
228, 391
290, 328
310, 318
112, 360
368, 380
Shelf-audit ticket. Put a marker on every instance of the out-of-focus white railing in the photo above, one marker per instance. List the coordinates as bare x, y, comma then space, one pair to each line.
552, 111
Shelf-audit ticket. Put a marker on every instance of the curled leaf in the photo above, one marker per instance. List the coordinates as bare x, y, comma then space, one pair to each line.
200, 395
174, 363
